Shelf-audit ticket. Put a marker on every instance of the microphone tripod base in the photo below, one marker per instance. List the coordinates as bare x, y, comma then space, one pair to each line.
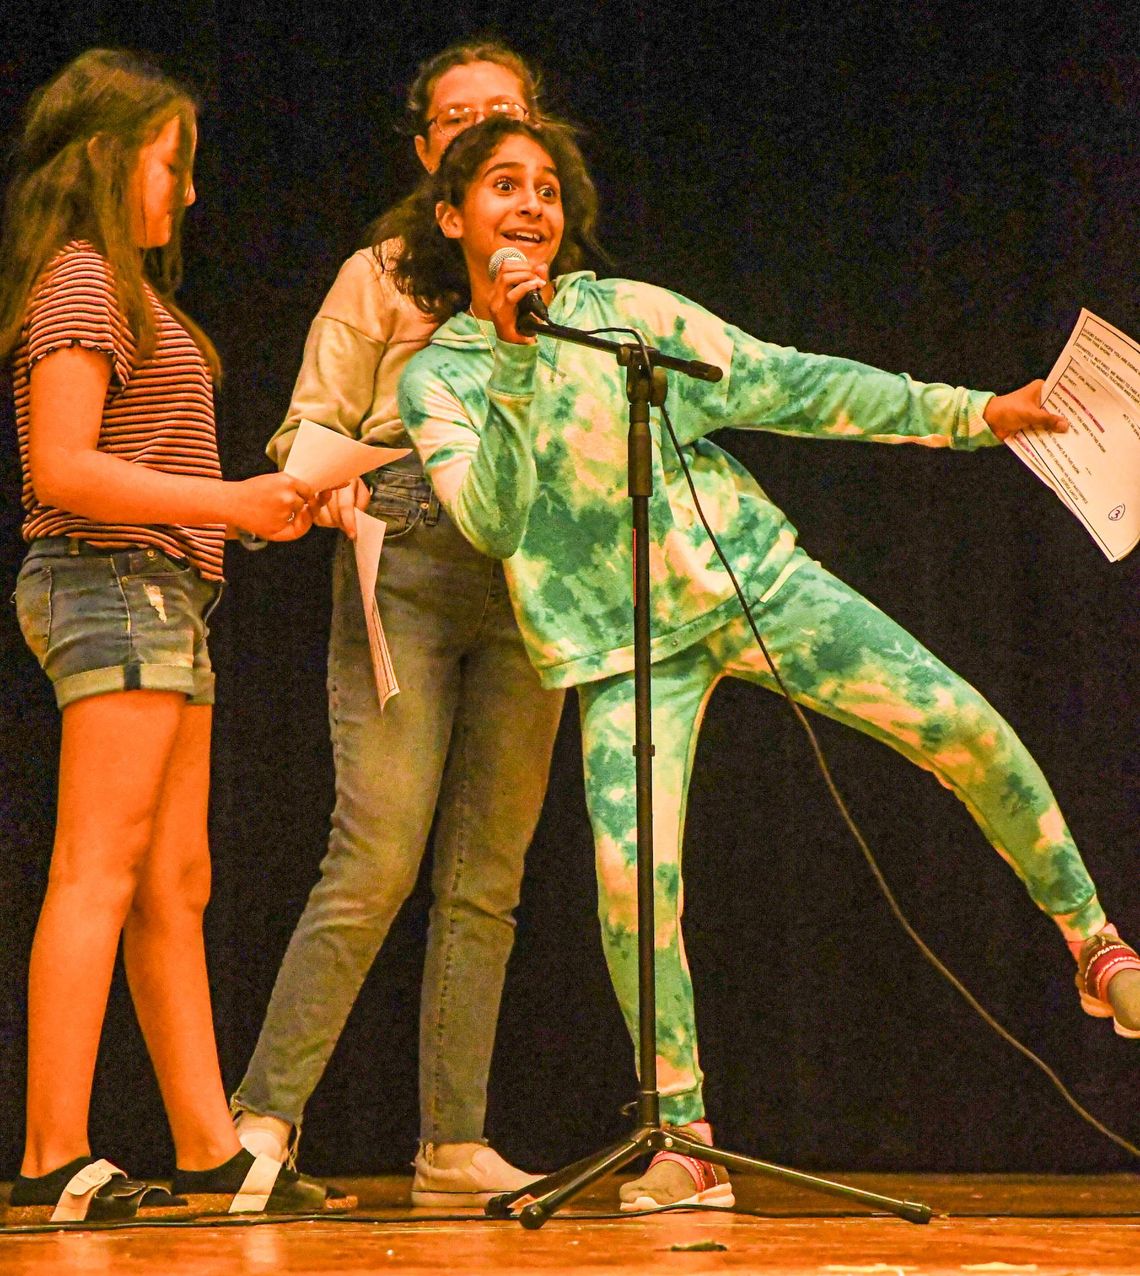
549, 1194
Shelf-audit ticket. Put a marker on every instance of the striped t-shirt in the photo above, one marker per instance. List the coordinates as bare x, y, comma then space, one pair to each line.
159, 411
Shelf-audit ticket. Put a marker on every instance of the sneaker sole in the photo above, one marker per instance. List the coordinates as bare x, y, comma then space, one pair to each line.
1094, 1006
454, 1200
721, 1197
220, 1202
34, 1215
1103, 1010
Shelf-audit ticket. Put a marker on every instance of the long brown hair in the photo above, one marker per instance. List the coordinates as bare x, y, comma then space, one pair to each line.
430, 268
71, 171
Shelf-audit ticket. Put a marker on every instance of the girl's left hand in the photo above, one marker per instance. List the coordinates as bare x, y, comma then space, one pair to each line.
514, 280
1005, 414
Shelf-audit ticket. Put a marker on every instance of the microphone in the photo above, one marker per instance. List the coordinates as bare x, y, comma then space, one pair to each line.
532, 310
532, 305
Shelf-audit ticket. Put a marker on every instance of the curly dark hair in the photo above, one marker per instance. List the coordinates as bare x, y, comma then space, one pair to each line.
430, 268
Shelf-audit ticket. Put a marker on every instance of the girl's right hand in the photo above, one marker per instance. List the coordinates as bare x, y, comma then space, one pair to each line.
339, 510
514, 280
268, 504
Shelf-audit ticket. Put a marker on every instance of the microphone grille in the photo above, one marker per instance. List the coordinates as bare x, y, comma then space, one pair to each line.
500, 255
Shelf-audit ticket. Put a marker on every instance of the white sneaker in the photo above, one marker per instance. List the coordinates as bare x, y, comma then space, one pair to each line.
463, 1176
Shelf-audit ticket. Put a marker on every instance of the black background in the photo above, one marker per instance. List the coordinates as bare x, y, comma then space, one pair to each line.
931, 187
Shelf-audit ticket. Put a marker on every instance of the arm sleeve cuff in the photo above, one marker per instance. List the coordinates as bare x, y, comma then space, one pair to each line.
973, 432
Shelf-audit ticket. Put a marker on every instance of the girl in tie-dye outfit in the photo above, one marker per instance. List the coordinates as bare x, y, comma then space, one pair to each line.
525, 444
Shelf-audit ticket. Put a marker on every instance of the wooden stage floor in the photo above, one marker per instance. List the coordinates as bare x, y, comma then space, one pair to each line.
999, 1225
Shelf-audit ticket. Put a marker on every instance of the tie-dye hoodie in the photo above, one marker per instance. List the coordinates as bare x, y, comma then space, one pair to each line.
526, 447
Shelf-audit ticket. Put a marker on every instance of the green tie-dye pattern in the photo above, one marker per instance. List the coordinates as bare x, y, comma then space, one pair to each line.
918, 699
568, 514
1020, 796
565, 407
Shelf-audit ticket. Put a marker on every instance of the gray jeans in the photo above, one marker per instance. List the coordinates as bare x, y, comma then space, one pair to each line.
467, 741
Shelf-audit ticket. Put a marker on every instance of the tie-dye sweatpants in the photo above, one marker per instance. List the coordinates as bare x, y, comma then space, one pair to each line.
840, 655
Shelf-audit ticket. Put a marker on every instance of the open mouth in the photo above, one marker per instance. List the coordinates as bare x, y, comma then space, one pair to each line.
523, 236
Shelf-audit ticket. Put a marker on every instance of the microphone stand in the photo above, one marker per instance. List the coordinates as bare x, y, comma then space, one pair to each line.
645, 387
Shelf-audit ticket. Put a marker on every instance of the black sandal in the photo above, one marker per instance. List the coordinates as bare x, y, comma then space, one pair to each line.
248, 1184
89, 1191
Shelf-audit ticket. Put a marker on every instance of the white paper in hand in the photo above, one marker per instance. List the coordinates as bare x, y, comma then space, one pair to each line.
1095, 466
326, 459
368, 545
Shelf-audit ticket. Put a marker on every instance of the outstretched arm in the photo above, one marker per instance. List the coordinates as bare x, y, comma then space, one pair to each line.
787, 391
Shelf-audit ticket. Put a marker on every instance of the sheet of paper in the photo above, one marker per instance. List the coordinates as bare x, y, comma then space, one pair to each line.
1025, 451
325, 459
368, 546
1111, 355
1095, 466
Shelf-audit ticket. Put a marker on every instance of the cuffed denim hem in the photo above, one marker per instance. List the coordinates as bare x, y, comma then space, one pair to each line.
238, 1105
126, 620
457, 1134
196, 685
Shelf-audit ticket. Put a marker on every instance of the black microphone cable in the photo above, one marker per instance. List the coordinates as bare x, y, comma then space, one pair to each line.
849, 820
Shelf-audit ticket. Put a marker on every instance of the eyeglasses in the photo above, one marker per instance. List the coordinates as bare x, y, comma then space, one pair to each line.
457, 118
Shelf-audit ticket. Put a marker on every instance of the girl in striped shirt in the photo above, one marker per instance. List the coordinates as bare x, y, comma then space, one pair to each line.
126, 515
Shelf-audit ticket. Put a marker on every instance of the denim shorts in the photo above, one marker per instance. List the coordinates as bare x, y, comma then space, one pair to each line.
123, 620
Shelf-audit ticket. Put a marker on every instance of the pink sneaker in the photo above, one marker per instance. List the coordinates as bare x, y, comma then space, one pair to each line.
674, 1179
1108, 980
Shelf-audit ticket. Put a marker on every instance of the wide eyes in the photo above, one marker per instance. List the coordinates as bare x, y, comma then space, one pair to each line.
507, 185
